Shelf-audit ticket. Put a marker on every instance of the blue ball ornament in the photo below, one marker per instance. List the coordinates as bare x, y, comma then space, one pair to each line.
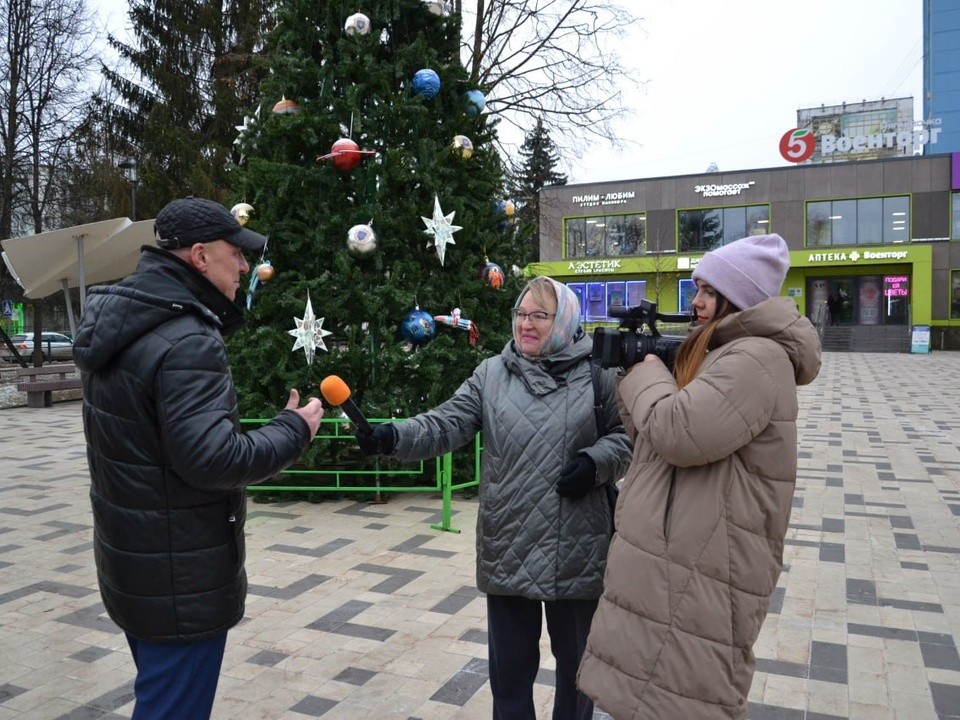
418, 327
426, 82
476, 102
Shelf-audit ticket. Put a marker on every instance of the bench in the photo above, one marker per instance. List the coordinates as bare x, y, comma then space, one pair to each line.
40, 382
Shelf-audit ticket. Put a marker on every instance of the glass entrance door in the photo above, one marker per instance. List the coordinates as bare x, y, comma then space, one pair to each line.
863, 300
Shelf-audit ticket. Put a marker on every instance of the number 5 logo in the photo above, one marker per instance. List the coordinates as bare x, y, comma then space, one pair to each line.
797, 145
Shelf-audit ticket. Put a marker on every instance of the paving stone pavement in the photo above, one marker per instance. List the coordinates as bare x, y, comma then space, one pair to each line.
365, 611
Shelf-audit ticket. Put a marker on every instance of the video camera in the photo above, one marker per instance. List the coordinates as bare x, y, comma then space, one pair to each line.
629, 343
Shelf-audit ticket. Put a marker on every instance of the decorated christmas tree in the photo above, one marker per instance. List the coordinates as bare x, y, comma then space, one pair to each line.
371, 168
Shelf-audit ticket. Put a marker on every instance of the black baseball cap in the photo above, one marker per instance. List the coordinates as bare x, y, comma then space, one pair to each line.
182, 223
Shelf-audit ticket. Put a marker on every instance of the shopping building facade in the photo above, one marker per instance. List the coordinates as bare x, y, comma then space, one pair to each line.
874, 245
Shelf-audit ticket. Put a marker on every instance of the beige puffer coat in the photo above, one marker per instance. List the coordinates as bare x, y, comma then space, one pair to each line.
700, 522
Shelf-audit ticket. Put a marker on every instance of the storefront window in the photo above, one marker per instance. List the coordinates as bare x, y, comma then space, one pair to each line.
865, 300
598, 298
869, 301
896, 295
896, 225
868, 221
818, 223
955, 215
955, 294
844, 222
706, 229
605, 236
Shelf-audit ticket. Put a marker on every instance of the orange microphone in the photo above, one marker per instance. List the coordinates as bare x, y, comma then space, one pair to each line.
336, 392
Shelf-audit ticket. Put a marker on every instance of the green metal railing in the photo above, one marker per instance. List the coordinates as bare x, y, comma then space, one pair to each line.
338, 480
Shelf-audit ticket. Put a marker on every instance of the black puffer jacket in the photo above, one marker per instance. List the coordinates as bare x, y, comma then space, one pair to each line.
168, 463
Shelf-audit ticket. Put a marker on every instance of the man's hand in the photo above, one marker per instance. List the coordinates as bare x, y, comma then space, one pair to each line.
312, 412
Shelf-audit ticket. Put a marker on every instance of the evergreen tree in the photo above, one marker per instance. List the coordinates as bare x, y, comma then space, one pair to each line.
535, 171
192, 64
360, 85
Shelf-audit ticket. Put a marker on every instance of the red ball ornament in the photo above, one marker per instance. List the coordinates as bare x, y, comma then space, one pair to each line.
346, 154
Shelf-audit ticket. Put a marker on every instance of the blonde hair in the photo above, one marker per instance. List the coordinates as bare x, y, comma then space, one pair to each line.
566, 321
542, 289
693, 349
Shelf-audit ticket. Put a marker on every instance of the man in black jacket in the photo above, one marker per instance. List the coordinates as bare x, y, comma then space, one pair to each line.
168, 463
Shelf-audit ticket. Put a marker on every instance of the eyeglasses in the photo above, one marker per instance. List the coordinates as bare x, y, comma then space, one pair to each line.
536, 317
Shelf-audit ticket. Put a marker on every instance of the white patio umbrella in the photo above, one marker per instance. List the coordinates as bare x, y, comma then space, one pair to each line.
76, 257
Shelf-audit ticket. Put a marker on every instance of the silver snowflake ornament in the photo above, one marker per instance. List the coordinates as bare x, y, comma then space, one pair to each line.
441, 227
309, 333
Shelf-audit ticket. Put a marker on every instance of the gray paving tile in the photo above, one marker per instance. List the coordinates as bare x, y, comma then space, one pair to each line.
759, 711
861, 592
8, 690
90, 654
946, 699
456, 601
463, 685
267, 658
288, 592
942, 657
313, 706
355, 676
397, 578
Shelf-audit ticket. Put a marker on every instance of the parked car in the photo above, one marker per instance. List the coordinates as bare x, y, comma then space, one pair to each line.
55, 346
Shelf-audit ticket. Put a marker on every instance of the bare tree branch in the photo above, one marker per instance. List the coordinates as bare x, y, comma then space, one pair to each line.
550, 59
46, 54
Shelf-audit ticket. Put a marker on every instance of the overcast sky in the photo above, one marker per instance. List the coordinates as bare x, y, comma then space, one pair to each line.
720, 81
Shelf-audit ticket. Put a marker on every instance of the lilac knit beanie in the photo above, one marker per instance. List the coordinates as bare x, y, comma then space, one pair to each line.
746, 271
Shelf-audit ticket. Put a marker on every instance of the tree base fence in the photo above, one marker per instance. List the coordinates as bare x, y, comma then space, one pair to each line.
345, 480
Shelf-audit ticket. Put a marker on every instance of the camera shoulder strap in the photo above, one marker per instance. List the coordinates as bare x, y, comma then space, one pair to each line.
610, 488
597, 401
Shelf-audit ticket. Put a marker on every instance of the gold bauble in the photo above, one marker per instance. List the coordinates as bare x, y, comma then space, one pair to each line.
265, 272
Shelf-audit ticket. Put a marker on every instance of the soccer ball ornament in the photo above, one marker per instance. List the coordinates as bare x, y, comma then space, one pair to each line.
462, 146
492, 274
361, 240
476, 102
426, 82
357, 24
418, 327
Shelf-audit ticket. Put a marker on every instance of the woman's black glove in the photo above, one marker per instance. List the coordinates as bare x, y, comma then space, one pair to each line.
578, 478
381, 441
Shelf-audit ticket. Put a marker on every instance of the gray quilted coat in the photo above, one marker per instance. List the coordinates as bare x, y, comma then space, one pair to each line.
535, 416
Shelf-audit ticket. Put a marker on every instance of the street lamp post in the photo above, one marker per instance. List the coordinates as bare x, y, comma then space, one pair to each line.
130, 167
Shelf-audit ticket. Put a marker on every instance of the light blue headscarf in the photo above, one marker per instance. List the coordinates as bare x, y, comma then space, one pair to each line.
567, 321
